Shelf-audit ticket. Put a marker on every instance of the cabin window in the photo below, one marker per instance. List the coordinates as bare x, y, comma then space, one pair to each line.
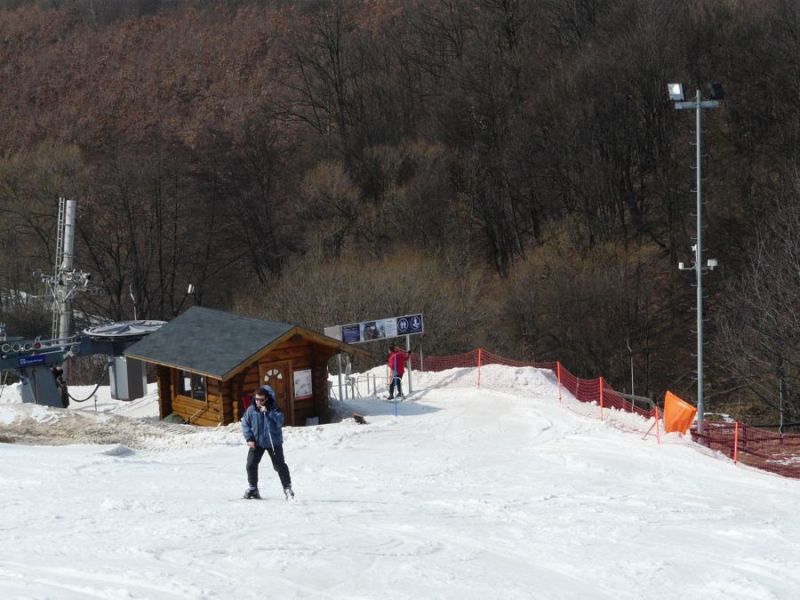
192, 385
274, 373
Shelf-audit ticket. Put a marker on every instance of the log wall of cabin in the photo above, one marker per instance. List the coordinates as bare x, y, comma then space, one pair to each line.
208, 412
235, 390
164, 378
319, 383
315, 358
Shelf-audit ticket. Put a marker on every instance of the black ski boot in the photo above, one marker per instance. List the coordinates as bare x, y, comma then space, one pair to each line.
251, 494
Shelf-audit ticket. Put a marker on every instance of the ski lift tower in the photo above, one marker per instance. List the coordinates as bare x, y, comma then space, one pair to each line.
65, 280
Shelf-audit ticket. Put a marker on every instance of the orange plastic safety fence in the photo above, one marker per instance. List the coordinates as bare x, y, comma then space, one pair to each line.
597, 401
442, 363
767, 450
584, 390
494, 359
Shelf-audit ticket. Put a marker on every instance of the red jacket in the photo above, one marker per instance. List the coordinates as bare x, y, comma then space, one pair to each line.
397, 362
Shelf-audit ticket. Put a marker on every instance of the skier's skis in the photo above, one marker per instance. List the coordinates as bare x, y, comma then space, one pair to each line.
402, 398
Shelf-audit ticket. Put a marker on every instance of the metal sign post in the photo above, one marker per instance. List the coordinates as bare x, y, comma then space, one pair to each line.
339, 374
408, 351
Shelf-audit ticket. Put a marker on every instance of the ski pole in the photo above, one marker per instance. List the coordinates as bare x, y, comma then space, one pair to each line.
269, 435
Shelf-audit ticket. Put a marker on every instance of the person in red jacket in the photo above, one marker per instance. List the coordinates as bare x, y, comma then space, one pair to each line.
397, 364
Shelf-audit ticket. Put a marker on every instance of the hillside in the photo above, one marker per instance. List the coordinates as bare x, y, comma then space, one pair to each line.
512, 166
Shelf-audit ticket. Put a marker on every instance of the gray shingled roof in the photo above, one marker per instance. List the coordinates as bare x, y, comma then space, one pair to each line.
207, 341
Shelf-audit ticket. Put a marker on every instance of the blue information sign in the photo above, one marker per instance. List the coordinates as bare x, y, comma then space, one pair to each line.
30, 361
351, 334
410, 324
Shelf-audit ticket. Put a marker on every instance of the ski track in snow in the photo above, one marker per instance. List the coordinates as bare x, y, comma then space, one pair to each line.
498, 492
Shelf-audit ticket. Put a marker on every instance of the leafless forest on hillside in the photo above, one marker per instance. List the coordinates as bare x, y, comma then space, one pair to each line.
511, 168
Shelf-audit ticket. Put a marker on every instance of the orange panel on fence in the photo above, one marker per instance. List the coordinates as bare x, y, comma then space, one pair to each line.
678, 414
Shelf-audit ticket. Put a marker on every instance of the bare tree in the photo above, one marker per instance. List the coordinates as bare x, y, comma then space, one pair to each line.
758, 340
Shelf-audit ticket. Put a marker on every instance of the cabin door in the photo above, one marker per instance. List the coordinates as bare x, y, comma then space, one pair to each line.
277, 375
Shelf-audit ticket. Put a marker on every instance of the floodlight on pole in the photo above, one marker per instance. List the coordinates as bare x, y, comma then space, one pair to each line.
675, 91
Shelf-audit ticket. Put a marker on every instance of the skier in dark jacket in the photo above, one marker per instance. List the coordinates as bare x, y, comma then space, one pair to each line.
261, 427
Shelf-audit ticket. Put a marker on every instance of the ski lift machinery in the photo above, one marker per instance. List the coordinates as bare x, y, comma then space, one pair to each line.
33, 359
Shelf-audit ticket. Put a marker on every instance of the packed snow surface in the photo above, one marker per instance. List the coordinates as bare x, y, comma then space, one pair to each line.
491, 492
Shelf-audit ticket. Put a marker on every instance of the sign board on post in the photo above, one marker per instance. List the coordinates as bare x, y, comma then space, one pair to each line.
379, 329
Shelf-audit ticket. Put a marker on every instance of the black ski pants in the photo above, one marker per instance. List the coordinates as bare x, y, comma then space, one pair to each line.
254, 456
397, 380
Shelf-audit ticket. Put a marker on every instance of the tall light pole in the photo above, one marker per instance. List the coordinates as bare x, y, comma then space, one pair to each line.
698, 104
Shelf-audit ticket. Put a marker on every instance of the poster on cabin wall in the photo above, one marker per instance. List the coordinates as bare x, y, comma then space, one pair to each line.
302, 384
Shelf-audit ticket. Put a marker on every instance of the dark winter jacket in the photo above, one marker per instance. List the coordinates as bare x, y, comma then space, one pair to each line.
263, 428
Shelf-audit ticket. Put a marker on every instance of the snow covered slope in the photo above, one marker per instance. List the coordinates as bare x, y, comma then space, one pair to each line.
498, 492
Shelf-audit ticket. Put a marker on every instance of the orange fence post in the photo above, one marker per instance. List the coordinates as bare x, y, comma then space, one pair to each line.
601, 397
480, 357
736, 443
558, 373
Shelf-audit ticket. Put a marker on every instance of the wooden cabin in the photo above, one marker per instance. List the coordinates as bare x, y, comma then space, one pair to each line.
209, 362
